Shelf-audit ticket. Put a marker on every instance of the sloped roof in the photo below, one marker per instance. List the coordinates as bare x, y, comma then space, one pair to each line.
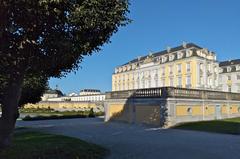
229, 62
178, 48
51, 91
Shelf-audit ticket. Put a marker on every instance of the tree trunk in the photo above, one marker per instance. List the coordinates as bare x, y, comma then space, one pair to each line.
10, 112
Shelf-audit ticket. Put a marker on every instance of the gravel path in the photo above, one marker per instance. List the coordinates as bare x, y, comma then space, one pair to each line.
127, 141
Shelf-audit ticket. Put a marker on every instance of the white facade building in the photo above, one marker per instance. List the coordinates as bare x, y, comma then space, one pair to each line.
229, 76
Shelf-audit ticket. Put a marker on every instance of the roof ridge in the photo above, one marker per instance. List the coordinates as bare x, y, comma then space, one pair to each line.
180, 47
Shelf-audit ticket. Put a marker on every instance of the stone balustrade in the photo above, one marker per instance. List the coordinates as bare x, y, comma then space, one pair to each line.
172, 92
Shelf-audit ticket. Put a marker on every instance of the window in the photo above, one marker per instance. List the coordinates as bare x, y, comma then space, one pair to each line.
229, 69
163, 71
171, 70
188, 81
188, 67
238, 77
171, 57
209, 67
179, 68
156, 80
179, 55
171, 82
143, 83
237, 67
189, 110
164, 59
229, 78
179, 81
163, 82
188, 53
229, 89
201, 80
209, 81
149, 83
201, 68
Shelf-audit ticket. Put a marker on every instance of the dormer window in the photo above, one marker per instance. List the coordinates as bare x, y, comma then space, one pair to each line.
120, 69
229, 69
124, 68
129, 67
164, 59
133, 66
188, 53
179, 55
171, 57
116, 70
238, 68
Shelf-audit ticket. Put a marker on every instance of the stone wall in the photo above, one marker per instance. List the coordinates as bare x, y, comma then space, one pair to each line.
169, 106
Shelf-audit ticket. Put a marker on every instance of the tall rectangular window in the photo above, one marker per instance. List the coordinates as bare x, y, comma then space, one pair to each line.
163, 71
163, 82
229, 89
179, 81
179, 68
188, 67
171, 82
171, 70
238, 77
188, 81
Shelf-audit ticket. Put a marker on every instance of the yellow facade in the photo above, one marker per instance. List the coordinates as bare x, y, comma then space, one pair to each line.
61, 105
182, 110
197, 110
182, 71
234, 109
224, 109
209, 110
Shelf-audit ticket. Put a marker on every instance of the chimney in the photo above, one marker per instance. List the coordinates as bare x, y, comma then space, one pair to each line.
168, 49
184, 44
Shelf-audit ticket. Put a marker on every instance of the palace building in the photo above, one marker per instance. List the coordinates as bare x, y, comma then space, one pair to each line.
229, 76
185, 66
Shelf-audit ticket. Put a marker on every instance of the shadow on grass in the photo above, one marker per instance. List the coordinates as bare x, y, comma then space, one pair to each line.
227, 126
36, 145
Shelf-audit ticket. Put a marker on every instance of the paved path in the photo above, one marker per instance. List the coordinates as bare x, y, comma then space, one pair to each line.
137, 142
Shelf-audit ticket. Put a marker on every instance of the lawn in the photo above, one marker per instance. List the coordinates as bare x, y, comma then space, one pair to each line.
36, 145
225, 126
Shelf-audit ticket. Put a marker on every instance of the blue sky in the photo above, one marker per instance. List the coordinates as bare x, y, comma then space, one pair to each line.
212, 24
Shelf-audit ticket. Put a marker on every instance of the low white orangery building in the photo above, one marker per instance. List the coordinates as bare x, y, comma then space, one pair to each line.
86, 95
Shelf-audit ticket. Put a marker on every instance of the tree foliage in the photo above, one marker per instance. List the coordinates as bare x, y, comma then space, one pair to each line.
32, 89
51, 37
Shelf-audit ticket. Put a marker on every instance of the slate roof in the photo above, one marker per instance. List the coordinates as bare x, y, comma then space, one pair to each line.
178, 48
229, 63
51, 91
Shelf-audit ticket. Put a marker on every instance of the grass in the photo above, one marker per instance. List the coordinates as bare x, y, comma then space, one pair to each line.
225, 126
36, 145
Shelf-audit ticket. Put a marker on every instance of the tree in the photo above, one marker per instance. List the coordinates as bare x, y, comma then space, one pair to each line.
49, 38
33, 89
